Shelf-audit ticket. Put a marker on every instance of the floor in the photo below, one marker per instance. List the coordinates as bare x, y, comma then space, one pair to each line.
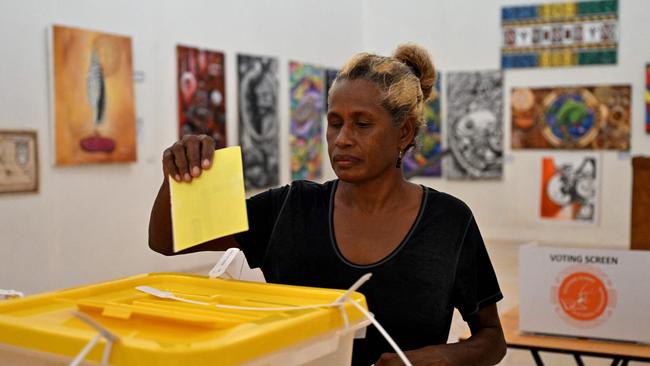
504, 256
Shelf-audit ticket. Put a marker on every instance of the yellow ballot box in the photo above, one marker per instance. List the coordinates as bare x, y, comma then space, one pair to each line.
179, 319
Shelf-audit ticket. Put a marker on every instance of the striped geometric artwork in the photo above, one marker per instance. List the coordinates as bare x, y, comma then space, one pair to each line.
560, 34
647, 98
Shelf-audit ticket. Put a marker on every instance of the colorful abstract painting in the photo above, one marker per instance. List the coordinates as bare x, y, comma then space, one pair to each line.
258, 119
647, 98
570, 188
560, 34
306, 87
201, 93
594, 117
18, 161
425, 159
94, 109
474, 125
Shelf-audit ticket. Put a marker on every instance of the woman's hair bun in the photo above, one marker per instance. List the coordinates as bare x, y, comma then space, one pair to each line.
419, 61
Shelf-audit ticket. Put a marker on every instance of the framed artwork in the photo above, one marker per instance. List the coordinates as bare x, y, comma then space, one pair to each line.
258, 119
474, 125
560, 34
586, 117
307, 103
570, 188
425, 159
647, 98
93, 100
18, 161
201, 93
330, 77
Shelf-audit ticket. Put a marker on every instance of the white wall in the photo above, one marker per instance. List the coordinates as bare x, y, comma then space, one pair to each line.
465, 35
89, 223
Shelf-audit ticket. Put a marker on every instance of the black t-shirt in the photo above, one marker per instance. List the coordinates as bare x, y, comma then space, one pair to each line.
442, 263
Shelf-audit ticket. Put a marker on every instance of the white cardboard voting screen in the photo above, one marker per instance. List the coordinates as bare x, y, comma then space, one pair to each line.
585, 292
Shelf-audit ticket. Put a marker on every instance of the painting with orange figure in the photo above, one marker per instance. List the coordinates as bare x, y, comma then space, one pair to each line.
570, 188
94, 108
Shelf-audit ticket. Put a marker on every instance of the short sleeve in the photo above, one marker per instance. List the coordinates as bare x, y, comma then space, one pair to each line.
263, 210
475, 284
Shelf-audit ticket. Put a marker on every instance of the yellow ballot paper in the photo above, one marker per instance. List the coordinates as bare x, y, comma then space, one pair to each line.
212, 205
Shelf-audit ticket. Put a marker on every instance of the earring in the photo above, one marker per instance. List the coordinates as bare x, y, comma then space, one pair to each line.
399, 160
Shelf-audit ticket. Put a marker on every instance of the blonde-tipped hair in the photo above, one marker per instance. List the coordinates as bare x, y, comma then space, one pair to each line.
406, 80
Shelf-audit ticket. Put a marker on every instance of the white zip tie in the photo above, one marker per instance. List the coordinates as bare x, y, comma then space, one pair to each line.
103, 332
10, 294
220, 269
337, 303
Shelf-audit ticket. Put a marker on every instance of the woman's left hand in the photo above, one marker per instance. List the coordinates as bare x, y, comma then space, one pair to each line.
427, 356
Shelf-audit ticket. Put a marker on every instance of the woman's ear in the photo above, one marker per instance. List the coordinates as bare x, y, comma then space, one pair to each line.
408, 131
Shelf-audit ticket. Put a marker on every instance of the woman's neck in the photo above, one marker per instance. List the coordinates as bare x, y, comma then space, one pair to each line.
381, 193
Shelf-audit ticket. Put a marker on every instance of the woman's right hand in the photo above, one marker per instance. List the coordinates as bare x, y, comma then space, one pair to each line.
186, 158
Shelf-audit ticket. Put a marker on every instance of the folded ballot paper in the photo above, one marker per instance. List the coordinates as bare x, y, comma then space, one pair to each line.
211, 206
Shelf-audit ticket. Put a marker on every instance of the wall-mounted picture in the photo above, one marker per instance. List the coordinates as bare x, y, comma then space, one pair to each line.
425, 159
258, 119
474, 125
330, 77
560, 34
647, 98
201, 93
18, 161
94, 109
306, 102
586, 117
570, 188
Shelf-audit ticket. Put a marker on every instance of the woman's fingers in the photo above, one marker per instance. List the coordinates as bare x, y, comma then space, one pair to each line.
169, 166
186, 158
207, 151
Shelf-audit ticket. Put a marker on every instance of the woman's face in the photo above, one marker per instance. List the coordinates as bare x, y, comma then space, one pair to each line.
362, 140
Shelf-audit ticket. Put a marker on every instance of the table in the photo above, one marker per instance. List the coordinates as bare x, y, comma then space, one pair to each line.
620, 353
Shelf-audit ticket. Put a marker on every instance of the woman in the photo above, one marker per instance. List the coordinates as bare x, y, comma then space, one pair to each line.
422, 246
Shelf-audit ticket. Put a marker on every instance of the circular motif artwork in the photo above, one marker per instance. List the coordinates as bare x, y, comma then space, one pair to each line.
572, 118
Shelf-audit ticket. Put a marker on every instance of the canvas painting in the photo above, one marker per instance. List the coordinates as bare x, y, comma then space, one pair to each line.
201, 93
647, 98
330, 77
586, 117
18, 161
94, 108
425, 159
474, 125
258, 119
570, 188
306, 87
560, 34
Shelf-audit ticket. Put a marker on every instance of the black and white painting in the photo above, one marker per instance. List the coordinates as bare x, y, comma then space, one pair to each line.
258, 119
474, 125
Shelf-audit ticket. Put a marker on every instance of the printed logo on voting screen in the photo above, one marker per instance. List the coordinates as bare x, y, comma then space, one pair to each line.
583, 296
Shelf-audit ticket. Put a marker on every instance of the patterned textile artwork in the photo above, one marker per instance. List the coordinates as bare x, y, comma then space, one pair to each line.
589, 117
647, 98
560, 34
258, 119
94, 108
570, 188
306, 87
474, 125
201, 93
18, 161
425, 158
